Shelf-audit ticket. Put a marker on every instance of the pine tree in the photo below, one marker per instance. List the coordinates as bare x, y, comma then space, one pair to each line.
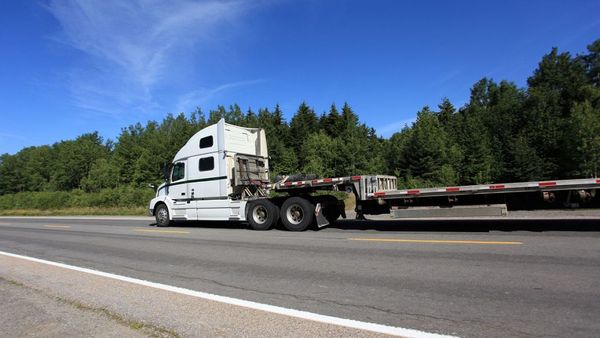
446, 114
428, 151
303, 124
331, 122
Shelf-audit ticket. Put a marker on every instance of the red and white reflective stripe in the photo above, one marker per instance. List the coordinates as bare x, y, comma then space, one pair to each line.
325, 180
356, 178
588, 183
317, 181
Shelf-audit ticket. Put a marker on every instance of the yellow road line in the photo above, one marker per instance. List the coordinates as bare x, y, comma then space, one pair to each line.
56, 226
163, 231
432, 241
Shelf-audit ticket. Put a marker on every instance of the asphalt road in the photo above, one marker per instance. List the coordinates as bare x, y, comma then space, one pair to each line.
473, 278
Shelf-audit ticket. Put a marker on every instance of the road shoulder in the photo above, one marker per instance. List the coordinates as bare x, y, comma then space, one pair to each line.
28, 312
166, 313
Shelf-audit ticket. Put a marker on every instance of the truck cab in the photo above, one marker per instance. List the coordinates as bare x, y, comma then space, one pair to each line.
214, 175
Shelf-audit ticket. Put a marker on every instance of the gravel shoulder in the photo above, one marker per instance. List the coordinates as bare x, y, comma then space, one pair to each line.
41, 300
28, 312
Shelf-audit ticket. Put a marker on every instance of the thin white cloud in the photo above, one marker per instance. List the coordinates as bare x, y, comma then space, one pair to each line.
446, 78
394, 127
132, 46
12, 136
193, 99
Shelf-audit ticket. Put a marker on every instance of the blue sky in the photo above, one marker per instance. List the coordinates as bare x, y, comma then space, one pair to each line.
70, 67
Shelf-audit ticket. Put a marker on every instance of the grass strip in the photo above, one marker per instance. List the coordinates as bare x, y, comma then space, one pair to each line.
78, 211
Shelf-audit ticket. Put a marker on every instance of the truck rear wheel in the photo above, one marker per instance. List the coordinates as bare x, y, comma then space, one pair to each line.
162, 216
297, 214
262, 214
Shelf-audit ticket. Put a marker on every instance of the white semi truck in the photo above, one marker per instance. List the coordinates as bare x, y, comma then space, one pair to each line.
222, 174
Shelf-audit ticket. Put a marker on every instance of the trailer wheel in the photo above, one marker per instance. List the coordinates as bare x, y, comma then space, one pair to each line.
332, 215
162, 216
262, 214
297, 214
331, 209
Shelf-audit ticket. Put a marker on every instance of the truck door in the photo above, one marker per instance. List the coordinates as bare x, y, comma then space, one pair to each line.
211, 201
183, 208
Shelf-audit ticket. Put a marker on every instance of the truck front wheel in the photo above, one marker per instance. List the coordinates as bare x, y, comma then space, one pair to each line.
262, 214
297, 213
162, 216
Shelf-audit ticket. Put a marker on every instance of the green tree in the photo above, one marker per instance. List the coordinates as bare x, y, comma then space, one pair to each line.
103, 174
349, 119
428, 151
331, 122
11, 178
73, 159
320, 155
524, 162
303, 124
283, 158
446, 114
477, 162
251, 120
586, 129
591, 62
215, 115
555, 86
396, 151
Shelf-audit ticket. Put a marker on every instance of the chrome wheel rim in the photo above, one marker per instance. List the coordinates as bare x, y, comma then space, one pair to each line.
259, 214
294, 214
162, 215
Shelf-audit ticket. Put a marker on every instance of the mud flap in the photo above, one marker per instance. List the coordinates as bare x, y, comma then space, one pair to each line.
321, 220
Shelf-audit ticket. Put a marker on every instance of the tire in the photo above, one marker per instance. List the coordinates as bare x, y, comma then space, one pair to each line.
331, 209
297, 214
262, 214
162, 215
332, 214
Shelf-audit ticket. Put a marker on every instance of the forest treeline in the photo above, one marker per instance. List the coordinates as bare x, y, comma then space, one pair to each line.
548, 130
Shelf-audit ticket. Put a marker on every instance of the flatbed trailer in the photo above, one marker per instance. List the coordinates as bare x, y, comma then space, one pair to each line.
382, 189
222, 174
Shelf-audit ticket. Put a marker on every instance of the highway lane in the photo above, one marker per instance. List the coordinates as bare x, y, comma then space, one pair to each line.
426, 275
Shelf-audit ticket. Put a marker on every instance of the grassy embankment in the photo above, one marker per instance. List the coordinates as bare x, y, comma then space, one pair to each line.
118, 201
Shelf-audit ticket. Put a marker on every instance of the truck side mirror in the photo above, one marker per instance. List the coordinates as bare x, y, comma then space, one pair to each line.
166, 172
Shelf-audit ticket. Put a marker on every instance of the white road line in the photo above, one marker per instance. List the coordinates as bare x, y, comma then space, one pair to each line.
379, 328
